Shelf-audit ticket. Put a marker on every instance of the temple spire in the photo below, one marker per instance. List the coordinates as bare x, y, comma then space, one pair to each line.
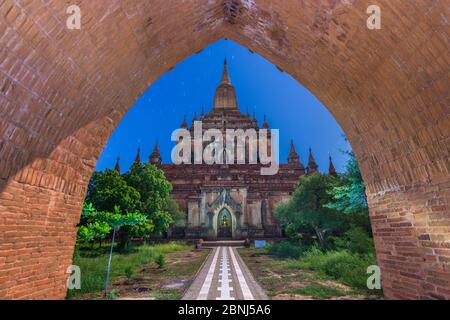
184, 124
155, 158
312, 165
225, 97
225, 74
194, 119
293, 155
138, 156
331, 169
255, 120
117, 167
265, 124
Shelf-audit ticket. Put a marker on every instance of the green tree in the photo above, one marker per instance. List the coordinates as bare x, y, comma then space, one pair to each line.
154, 190
91, 230
97, 225
305, 213
144, 189
171, 206
350, 195
118, 219
349, 198
109, 189
115, 221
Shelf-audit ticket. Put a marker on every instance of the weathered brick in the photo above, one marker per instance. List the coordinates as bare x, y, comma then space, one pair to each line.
62, 93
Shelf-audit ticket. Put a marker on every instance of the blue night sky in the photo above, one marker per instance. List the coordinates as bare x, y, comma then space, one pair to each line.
260, 88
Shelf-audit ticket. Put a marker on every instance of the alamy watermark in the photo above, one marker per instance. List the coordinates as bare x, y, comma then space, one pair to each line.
74, 279
374, 20
239, 146
73, 21
374, 280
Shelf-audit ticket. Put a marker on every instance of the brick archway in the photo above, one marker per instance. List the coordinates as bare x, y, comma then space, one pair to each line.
63, 92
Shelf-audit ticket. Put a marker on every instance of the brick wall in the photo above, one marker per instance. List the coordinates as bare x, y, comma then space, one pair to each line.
62, 92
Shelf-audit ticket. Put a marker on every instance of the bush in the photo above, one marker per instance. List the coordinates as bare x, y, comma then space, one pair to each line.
112, 295
286, 250
356, 240
349, 268
161, 261
129, 272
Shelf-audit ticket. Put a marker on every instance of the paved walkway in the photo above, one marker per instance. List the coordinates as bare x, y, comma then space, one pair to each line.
224, 276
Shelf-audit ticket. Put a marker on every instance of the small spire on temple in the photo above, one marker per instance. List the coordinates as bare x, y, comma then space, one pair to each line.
293, 157
184, 124
255, 120
203, 113
225, 96
225, 74
138, 156
117, 167
292, 151
194, 119
265, 124
332, 169
155, 158
312, 165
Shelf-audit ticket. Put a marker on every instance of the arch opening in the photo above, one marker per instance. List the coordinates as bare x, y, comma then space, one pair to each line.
225, 224
389, 95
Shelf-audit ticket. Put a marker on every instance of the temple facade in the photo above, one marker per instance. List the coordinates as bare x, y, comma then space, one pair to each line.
230, 201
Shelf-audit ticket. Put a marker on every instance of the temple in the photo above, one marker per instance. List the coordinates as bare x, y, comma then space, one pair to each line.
230, 201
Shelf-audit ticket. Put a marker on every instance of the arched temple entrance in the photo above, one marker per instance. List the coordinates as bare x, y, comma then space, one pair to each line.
62, 93
224, 215
224, 225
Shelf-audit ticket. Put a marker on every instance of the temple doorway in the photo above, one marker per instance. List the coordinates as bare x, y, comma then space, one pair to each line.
224, 225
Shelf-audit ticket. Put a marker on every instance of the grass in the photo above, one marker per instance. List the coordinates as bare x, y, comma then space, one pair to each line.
166, 294
93, 264
314, 274
286, 250
343, 266
273, 274
317, 291
161, 261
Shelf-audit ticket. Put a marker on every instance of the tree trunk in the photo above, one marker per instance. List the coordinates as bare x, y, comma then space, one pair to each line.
321, 236
124, 237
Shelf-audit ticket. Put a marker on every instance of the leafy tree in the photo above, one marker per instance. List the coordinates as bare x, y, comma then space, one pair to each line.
89, 229
143, 190
104, 222
334, 209
305, 213
93, 231
109, 189
97, 225
154, 190
117, 219
350, 195
171, 206
355, 240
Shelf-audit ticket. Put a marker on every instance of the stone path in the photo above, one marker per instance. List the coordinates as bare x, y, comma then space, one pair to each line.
224, 276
